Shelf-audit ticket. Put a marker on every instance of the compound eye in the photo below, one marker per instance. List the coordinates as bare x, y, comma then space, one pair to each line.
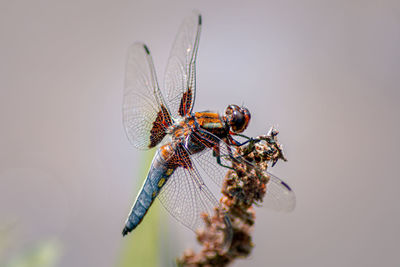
229, 110
238, 121
237, 118
230, 113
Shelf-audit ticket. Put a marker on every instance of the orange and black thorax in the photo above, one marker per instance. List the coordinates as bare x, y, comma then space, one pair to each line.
212, 122
191, 135
198, 122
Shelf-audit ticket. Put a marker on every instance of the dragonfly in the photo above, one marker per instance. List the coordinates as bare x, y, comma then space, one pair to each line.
191, 146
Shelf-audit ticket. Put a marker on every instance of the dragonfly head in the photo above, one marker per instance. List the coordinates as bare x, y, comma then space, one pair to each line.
237, 118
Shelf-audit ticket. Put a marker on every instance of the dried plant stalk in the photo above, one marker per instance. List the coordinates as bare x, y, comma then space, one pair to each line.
243, 187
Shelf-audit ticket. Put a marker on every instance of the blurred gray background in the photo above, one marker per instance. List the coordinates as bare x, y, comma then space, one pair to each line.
325, 73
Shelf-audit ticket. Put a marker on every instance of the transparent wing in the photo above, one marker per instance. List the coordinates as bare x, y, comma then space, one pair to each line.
186, 197
279, 195
144, 108
180, 76
206, 162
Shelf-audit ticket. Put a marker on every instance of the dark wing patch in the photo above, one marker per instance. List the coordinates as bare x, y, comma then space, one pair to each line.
160, 126
182, 159
186, 102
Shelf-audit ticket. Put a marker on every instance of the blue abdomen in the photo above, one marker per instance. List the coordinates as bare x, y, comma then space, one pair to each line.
155, 180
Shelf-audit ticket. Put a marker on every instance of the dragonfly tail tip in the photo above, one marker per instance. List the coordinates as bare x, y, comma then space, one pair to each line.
125, 231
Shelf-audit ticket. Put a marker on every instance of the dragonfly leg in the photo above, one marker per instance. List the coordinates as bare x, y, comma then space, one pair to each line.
244, 136
218, 158
237, 143
217, 155
249, 140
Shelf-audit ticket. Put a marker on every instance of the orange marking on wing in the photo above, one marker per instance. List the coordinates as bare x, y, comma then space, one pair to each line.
186, 102
158, 131
183, 158
175, 157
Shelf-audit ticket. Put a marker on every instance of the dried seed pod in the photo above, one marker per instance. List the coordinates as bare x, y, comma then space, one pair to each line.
243, 187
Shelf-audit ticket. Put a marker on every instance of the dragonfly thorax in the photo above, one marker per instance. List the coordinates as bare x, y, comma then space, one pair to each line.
182, 128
